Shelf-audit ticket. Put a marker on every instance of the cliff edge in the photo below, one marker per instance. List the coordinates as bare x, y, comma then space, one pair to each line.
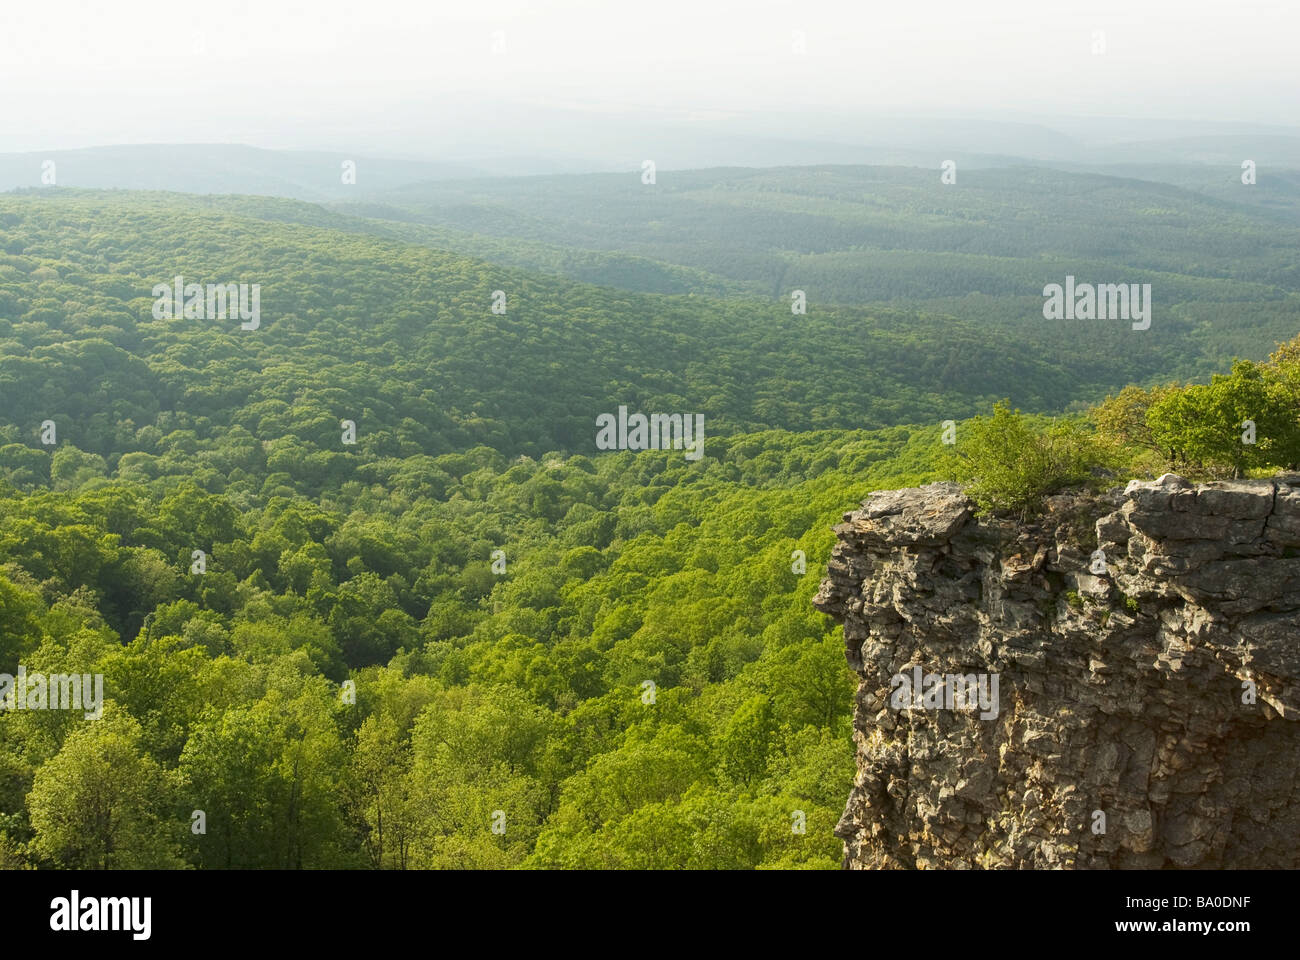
1115, 684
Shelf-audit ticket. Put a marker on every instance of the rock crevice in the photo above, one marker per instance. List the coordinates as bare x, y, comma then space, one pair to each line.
1144, 646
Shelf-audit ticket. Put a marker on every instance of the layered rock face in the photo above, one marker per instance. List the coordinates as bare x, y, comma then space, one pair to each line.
1115, 684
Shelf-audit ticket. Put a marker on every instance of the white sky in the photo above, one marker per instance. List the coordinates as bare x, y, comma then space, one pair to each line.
303, 72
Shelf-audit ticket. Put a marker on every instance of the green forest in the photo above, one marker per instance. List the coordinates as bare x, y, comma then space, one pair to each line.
1223, 260
470, 639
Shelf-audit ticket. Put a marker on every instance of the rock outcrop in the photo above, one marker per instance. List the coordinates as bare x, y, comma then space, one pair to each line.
1115, 684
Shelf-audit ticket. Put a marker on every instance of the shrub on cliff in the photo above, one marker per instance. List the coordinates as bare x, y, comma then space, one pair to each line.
1121, 420
1237, 422
1009, 464
1233, 423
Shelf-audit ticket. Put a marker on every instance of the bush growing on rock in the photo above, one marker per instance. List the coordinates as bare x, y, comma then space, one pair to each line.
1009, 464
1245, 420
1236, 422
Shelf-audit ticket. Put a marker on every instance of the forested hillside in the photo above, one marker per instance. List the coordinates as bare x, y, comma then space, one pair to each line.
402, 340
471, 639
771, 230
644, 685
612, 657
1220, 256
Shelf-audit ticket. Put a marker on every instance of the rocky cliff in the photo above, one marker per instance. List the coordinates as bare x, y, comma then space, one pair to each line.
1114, 684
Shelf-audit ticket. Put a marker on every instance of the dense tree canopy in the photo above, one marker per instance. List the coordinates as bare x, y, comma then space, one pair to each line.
471, 639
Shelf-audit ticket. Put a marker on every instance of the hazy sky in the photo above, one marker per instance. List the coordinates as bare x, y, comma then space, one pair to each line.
305, 73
